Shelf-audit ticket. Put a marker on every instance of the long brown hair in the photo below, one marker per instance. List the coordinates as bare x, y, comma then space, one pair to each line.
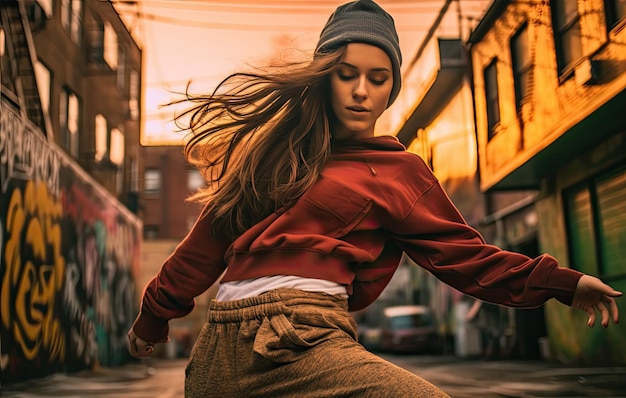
260, 139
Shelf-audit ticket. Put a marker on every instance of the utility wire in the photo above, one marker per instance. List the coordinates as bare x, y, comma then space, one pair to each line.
244, 27
318, 5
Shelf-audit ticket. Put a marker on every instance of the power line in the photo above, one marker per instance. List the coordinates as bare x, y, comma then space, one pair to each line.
255, 7
290, 6
266, 9
242, 27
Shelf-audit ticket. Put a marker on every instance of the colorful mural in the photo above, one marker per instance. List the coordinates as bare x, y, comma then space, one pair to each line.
68, 260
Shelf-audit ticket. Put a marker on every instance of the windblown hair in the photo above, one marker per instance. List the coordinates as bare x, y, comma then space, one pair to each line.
260, 139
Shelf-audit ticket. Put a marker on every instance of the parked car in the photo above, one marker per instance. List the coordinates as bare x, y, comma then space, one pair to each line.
409, 329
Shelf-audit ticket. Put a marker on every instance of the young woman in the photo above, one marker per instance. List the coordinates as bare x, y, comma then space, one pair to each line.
307, 215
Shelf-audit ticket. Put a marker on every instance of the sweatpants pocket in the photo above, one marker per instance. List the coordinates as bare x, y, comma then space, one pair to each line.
279, 341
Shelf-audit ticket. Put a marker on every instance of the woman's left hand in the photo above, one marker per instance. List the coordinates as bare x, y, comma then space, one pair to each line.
592, 294
139, 348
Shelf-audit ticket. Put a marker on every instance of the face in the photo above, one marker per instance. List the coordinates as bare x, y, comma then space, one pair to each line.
360, 89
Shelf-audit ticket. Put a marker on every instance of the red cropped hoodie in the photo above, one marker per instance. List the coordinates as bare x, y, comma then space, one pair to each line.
372, 202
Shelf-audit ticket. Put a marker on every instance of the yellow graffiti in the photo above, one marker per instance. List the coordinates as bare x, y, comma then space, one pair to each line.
30, 286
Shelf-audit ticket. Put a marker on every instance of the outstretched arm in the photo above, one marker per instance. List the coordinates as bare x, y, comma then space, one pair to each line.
593, 295
435, 235
196, 263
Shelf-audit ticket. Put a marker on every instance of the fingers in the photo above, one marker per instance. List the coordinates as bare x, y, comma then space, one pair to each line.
609, 291
604, 312
143, 349
592, 316
610, 312
593, 295
138, 347
132, 338
133, 349
614, 310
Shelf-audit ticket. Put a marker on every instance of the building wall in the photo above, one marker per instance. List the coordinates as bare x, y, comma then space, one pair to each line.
559, 106
70, 250
572, 342
70, 254
101, 89
166, 213
453, 156
555, 103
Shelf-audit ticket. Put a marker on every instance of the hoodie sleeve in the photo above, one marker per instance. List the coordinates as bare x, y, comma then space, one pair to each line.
196, 263
434, 234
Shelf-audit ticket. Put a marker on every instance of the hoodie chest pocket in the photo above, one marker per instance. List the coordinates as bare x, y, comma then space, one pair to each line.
336, 207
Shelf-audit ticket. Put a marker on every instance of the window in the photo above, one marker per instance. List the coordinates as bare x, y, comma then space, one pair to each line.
133, 102
566, 21
195, 180
152, 181
521, 64
116, 155
101, 137
111, 52
44, 81
72, 18
410, 321
116, 152
46, 6
615, 12
595, 214
95, 42
6, 63
491, 93
69, 114
2, 44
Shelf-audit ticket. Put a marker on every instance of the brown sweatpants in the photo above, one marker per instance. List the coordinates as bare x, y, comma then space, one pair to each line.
290, 343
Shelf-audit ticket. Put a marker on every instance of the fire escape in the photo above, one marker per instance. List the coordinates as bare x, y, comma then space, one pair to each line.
20, 49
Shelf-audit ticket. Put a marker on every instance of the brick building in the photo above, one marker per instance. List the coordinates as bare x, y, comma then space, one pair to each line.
167, 215
88, 70
70, 247
168, 181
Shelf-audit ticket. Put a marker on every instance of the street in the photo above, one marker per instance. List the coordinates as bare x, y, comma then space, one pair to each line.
459, 378
508, 378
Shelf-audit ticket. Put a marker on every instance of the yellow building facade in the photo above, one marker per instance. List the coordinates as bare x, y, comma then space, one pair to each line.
550, 98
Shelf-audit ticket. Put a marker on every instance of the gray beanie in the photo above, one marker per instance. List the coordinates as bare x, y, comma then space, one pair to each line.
364, 21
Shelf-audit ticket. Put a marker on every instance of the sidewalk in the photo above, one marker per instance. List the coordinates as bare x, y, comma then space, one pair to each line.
147, 378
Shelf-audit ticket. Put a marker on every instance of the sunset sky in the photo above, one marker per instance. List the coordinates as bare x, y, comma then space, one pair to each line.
202, 41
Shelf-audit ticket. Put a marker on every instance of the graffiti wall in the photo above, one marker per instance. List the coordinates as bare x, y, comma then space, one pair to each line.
69, 253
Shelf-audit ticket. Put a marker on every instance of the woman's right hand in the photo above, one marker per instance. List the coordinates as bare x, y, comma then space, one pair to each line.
139, 348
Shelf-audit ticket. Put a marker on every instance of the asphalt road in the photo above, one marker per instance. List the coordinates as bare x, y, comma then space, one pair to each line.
459, 378
507, 378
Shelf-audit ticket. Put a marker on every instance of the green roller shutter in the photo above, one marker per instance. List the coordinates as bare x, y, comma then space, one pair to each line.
596, 224
611, 199
583, 256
